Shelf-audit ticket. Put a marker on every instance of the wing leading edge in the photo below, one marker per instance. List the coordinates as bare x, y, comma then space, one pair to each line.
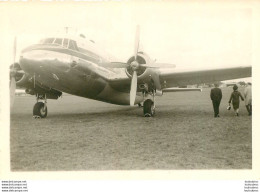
176, 79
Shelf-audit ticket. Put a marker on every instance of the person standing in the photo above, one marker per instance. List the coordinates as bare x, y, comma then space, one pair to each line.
234, 97
216, 96
248, 98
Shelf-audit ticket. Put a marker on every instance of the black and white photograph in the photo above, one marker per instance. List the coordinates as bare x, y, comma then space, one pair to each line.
107, 86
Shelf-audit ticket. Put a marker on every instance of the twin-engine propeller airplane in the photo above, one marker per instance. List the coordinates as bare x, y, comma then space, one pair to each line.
76, 66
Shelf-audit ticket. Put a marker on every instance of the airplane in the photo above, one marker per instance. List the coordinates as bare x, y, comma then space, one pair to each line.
75, 65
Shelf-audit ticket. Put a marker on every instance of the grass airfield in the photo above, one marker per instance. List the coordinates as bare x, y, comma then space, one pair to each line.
82, 134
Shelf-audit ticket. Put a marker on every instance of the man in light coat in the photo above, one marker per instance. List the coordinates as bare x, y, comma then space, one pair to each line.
248, 98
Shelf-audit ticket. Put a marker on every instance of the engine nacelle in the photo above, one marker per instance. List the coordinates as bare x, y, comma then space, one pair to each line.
142, 58
22, 80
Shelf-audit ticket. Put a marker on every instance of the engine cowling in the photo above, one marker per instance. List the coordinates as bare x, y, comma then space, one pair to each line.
21, 78
142, 58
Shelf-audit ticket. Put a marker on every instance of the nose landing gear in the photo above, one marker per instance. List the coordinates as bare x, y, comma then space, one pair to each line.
40, 108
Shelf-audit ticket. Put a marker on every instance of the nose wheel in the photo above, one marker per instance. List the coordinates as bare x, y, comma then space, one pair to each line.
39, 111
40, 108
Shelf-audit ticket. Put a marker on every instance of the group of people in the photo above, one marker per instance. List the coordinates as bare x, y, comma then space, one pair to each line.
216, 96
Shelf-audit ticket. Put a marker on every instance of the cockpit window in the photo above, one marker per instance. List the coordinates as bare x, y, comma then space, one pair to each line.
65, 43
48, 41
58, 41
73, 45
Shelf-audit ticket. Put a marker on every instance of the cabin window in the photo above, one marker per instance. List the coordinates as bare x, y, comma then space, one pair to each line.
58, 41
73, 45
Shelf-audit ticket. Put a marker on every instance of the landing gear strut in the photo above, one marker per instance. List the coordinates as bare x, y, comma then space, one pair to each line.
40, 108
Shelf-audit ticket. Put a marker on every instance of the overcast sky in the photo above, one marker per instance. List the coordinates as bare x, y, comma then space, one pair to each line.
190, 35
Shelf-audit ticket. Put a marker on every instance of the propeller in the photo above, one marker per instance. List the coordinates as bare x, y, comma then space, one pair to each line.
12, 74
134, 65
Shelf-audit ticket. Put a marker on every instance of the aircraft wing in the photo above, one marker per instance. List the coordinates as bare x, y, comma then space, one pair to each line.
183, 78
176, 79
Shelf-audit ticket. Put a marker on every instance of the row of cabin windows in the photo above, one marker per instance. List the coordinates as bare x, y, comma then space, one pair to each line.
67, 43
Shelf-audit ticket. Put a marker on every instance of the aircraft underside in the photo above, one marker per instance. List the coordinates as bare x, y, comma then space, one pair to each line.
97, 89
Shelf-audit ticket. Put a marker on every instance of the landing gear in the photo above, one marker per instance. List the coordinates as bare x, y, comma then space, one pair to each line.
39, 111
149, 103
149, 108
40, 108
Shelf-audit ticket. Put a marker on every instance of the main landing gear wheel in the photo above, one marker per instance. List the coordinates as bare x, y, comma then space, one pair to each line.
149, 109
39, 110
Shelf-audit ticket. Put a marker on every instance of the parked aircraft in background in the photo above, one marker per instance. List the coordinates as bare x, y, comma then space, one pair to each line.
74, 65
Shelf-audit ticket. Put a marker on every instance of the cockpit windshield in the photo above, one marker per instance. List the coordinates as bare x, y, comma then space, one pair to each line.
47, 41
58, 41
73, 45
66, 43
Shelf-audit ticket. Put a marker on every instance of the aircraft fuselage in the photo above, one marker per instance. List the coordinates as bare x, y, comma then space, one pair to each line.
73, 69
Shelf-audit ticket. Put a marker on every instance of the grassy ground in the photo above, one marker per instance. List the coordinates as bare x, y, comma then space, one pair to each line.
81, 134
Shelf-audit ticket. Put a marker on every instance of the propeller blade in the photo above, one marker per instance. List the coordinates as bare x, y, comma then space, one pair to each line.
14, 51
13, 72
115, 65
133, 89
157, 65
137, 36
12, 91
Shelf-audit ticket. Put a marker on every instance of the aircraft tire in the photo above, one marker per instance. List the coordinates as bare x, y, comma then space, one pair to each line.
148, 108
38, 110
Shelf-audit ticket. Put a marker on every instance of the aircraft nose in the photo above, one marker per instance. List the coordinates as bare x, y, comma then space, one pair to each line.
31, 61
35, 61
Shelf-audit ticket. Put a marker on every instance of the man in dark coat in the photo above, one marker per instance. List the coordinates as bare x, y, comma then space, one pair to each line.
216, 96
